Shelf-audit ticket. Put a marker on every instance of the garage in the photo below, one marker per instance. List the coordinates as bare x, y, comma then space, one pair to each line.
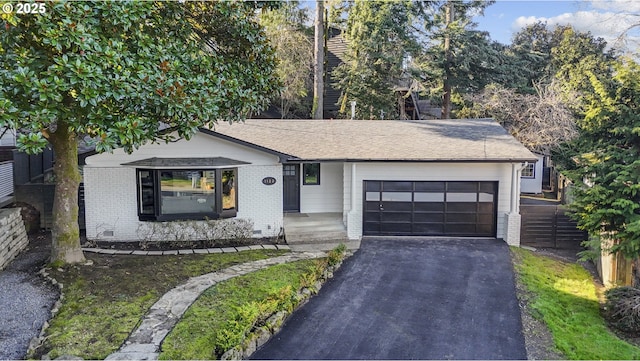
430, 208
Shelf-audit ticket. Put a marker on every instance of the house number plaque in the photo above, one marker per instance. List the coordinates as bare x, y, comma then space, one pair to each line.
268, 181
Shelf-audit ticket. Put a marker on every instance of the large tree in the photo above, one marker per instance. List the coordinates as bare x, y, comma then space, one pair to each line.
285, 27
455, 55
604, 162
541, 121
380, 39
121, 72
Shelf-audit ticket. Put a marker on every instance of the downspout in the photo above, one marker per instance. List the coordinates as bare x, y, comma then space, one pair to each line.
515, 186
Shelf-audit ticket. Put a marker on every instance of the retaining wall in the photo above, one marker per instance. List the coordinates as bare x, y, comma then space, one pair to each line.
13, 236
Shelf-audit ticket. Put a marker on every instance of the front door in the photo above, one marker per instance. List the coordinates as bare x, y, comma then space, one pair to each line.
291, 184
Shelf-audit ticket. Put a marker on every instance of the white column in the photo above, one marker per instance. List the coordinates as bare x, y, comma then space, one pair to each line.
514, 188
353, 186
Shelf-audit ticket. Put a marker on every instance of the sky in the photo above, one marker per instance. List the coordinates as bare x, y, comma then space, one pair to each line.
603, 18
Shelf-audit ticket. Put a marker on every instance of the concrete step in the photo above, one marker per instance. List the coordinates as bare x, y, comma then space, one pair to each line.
317, 228
311, 222
315, 237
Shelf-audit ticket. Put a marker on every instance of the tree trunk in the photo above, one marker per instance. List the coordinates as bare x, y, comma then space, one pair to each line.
446, 97
65, 233
318, 65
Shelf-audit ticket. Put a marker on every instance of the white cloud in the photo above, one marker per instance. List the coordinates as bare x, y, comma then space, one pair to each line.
628, 6
609, 24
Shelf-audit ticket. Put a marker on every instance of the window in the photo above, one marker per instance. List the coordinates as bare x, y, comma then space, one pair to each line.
165, 194
529, 171
311, 173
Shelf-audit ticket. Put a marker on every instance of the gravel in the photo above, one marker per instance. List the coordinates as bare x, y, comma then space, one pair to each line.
26, 298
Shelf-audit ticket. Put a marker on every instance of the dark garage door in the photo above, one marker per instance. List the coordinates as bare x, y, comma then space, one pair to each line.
410, 208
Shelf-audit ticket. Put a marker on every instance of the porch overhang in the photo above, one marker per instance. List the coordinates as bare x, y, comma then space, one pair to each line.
183, 163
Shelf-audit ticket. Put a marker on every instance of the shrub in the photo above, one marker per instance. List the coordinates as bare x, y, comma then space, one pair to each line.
622, 308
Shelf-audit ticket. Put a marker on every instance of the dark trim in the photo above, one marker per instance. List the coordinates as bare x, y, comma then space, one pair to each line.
304, 179
297, 190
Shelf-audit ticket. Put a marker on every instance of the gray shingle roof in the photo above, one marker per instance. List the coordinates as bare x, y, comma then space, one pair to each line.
381, 140
214, 162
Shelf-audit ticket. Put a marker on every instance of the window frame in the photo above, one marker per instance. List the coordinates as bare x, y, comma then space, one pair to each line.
531, 166
304, 174
158, 216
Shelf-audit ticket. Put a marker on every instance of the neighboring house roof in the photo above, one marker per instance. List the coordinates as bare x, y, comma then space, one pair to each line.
336, 49
379, 140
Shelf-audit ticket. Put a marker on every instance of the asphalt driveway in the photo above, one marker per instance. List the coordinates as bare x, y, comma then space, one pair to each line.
410, 299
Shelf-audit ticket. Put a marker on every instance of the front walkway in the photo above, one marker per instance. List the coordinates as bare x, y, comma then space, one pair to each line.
144, 342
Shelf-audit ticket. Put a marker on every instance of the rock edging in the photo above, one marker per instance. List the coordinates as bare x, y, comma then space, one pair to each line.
260, 335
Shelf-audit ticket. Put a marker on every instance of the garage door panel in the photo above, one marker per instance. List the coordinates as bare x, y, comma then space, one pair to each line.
439, 208
396, 227
485, 219
461, 218
430, 186
485, 229
428, 229
397, 197
429, 207
397, 186
465, 187
460, 229
397, 206
485, 208
396, 217
428, 217
373, 186
462, 207
372, 206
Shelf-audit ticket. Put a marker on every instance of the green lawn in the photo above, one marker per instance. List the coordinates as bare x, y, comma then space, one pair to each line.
104, 302
564, 297
223, 314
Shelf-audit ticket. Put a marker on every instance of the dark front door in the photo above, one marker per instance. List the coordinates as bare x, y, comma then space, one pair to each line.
430, 208
291, 184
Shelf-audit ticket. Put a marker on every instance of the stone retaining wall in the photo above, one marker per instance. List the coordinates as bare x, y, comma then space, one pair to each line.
13, 236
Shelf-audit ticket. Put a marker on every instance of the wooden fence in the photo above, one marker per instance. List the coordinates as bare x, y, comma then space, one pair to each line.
548, 226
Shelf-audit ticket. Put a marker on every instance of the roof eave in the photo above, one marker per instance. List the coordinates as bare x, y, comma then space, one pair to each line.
282, 156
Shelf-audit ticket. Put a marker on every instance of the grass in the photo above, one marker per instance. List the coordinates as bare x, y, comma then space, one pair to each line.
223, 314
104, 302
564, 296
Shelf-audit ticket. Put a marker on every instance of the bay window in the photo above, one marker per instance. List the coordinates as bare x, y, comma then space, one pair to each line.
181, 194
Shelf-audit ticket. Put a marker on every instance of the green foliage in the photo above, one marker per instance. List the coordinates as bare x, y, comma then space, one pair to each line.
622, 308
453, 54
286, 30
122, 72
563, 295
99, 310
379, 39
224, 314
604, 161
114, 70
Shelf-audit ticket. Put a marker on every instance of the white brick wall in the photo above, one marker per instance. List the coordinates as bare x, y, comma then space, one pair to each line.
111, 195
111, 201
258, 202
325, 197
512, 228
500, 172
